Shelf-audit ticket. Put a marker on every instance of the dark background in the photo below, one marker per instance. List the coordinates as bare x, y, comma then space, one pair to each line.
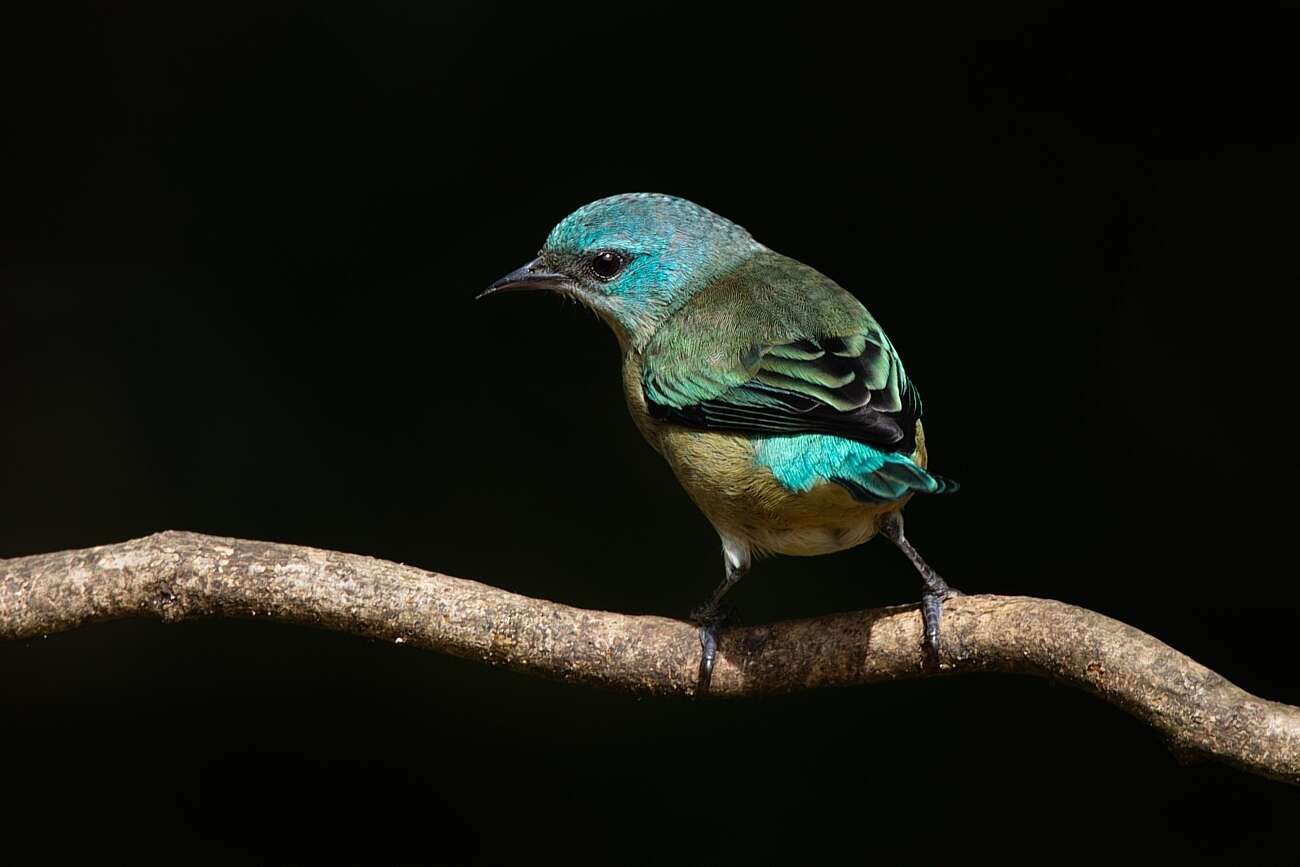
239, 252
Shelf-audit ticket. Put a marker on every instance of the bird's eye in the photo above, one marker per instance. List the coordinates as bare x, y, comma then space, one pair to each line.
606, 264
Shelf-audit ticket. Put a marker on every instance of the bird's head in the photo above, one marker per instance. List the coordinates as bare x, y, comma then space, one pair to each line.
634, 259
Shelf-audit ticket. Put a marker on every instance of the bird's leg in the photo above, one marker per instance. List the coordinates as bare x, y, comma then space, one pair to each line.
933, 588
710, 615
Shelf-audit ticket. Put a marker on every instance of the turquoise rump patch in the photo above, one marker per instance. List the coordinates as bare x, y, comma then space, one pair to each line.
801, 461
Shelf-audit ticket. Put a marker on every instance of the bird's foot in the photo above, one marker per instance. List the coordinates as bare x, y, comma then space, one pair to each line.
933, 596
710, 619
934, 590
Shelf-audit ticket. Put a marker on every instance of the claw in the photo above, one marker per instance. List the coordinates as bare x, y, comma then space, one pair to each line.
709, 655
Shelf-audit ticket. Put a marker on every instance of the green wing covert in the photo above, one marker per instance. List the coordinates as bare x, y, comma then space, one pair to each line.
775, 347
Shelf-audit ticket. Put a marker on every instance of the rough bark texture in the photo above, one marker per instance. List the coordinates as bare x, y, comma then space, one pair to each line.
182, 575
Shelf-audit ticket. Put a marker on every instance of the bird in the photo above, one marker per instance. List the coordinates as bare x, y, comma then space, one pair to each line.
776, 398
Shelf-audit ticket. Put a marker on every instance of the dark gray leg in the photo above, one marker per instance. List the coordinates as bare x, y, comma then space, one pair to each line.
710, 615
933, 588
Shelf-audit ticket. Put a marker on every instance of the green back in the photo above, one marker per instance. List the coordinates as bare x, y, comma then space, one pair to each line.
775, 346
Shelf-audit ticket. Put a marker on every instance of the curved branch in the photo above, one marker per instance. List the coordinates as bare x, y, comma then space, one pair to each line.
180, 575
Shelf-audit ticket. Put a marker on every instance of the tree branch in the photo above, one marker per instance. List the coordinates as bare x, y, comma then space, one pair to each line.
181, 575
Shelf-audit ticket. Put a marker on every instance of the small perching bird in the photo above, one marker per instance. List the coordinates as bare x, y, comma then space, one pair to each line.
773, 394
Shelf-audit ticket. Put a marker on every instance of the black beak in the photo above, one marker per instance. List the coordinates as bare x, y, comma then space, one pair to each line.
532, 276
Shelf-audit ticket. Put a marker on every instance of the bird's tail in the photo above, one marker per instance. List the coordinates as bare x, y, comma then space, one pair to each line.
945, 485
896, 478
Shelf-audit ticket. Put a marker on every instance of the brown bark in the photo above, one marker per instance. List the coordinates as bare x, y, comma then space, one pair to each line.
176, 576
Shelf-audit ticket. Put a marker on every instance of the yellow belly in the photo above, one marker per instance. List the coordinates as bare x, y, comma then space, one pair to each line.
744, 499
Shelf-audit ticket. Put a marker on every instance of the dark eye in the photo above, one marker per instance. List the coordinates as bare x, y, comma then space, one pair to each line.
606, 265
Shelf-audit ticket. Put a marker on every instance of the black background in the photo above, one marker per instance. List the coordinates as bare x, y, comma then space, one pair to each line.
239, 252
